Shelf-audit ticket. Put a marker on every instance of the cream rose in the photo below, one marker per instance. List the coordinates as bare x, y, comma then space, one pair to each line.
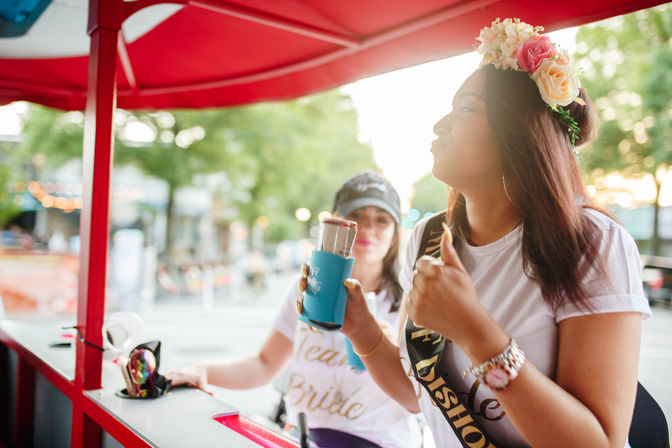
556, 82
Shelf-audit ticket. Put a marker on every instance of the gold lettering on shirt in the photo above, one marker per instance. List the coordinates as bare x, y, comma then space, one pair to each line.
302, 393
311, 353
328, 357
317, 353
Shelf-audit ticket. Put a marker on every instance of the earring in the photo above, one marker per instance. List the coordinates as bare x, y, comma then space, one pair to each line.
506, 192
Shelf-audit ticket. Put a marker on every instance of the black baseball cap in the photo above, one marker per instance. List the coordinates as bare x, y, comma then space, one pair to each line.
367, 189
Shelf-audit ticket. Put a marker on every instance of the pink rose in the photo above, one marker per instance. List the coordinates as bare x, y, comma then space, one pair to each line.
533, 52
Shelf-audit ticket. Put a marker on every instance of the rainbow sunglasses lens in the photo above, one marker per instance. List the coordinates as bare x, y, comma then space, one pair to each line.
141, 366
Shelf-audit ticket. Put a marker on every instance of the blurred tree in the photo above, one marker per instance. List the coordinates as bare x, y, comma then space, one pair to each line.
429, 195
164, 147
276, 157
625, 63
297, 154
173, 147
8, 209
47, 131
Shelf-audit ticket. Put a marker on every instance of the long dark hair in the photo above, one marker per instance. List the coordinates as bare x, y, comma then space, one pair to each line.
543, 179
390, 280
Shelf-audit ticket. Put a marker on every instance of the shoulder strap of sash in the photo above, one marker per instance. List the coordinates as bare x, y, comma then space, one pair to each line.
430, 242
425, 350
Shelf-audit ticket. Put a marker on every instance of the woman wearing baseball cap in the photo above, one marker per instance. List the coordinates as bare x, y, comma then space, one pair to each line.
344, 407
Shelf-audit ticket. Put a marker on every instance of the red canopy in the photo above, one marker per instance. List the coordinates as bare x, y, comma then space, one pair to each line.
208, 53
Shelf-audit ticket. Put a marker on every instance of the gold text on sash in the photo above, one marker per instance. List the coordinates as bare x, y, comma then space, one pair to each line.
447, 399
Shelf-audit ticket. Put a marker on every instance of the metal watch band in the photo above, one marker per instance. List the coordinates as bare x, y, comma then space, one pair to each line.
510, 361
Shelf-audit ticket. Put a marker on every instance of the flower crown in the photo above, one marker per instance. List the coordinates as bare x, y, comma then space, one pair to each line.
515, 45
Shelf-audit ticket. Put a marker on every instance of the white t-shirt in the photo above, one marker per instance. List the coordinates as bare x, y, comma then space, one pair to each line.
332, 395
517, 305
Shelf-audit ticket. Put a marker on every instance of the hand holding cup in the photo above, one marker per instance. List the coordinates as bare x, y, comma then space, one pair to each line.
322, 296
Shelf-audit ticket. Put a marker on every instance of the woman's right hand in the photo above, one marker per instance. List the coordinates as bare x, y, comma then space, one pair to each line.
192, 376
358, 320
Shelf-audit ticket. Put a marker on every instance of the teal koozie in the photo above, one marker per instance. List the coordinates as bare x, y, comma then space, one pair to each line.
354, 361
326, 296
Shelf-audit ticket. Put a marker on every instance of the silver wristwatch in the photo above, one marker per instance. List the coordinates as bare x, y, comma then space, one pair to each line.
498, 371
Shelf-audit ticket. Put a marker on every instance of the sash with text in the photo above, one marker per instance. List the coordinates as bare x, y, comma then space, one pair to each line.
425, 350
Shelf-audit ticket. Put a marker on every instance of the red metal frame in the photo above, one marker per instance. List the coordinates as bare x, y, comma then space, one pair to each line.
89, 412
105, 18
112, 426
23, 414
5, 427
36, 363
88, 418
97, 168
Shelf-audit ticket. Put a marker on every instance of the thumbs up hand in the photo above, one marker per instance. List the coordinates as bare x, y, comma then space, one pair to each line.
443, 298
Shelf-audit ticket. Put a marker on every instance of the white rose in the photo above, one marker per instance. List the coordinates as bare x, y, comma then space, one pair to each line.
556, 82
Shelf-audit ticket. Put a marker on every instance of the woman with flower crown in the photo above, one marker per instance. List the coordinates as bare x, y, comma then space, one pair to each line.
526, 331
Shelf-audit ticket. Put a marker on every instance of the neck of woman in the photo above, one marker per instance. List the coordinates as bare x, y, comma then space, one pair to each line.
369, 275
491, 217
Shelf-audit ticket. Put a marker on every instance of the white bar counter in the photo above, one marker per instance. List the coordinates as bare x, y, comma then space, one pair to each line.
181, 418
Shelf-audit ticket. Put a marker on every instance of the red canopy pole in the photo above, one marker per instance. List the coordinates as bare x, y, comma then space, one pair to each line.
105, 18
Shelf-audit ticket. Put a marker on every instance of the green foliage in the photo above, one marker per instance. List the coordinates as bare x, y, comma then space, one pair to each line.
564, 117
429, 195
303, 161
56, 135
627, 69
276, 157
178, 149
626, 66
8, 208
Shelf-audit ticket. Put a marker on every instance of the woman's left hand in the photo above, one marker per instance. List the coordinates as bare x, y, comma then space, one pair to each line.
443, 298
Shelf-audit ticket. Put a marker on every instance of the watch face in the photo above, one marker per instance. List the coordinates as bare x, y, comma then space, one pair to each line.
497, 378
